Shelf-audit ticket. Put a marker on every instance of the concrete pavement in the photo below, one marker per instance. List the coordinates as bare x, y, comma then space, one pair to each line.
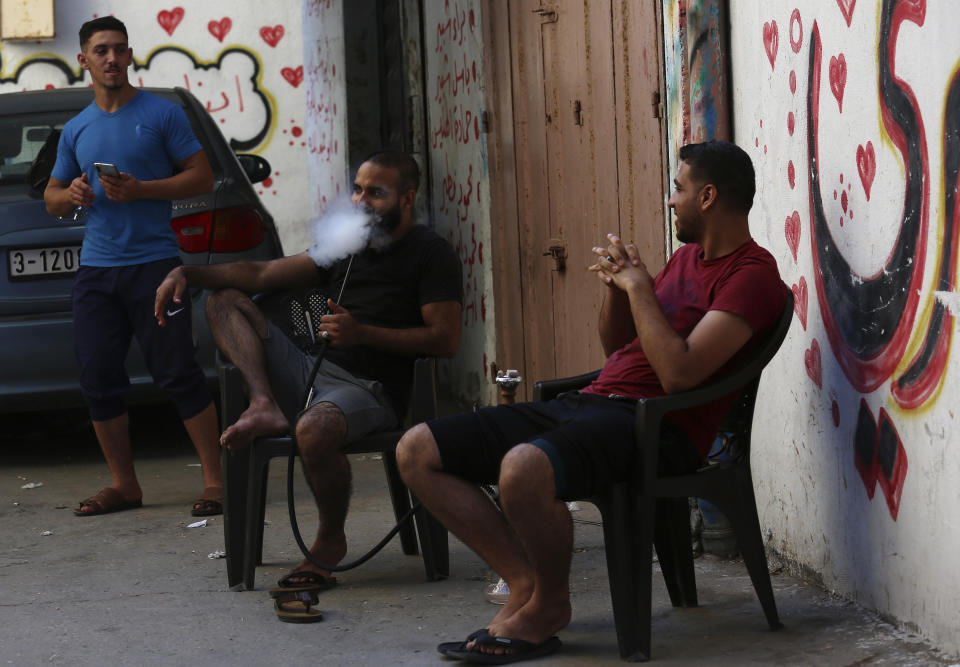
138, 588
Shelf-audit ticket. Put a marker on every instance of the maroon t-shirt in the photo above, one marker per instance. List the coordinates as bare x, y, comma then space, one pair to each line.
745, 282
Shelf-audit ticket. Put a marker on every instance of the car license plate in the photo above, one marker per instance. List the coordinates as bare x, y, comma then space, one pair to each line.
32, 262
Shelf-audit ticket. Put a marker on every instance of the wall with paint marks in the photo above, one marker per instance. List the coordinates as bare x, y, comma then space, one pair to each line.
453, 48
325, 88
246, 66
676, 95
696, 78
850, 110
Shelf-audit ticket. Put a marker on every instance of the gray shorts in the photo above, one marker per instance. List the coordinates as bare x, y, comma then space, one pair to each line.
363, 402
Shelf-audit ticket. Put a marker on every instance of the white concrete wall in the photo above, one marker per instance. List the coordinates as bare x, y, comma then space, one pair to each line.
244, 63
460, 202
326, 107
857, 452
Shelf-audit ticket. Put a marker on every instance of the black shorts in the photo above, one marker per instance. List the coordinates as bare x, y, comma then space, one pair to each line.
589, 440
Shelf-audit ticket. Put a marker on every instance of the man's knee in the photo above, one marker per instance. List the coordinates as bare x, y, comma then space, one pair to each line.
222, 300
526, 467
224, 303
320, 432
417, 452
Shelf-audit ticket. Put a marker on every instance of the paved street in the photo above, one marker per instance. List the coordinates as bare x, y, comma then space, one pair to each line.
138, 587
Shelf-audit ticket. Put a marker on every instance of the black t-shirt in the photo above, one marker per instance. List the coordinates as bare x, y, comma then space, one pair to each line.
387, 289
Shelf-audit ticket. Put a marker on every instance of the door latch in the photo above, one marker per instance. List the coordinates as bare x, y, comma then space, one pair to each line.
548, 14
559, 255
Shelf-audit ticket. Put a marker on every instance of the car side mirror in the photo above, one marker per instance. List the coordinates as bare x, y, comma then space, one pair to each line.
255, 167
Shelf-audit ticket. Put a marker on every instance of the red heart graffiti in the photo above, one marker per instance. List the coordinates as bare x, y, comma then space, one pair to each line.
272, 35
219, 29
800, 301
846, 7
169, 20
867, 166
293, 76
771, 41
838, 77
811, 359
792, 232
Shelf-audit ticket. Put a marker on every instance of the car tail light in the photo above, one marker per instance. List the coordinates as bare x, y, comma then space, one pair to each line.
233, 229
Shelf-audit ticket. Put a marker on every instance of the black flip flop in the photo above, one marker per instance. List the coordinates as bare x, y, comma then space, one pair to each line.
447, 647
107, 501
314, 582
522, 650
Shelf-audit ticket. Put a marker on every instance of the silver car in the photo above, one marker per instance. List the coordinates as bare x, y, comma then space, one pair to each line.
39, 253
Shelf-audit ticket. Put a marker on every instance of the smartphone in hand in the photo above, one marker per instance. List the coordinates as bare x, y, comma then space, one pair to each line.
107, 169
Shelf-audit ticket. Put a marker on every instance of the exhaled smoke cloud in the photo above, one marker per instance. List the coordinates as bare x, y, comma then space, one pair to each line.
343, 230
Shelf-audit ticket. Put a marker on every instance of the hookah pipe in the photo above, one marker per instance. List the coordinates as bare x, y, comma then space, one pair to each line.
308, 394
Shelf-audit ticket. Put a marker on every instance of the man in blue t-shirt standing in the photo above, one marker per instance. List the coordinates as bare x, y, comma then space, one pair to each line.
128, 248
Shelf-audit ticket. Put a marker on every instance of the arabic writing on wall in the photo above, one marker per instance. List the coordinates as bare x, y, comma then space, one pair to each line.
456, 144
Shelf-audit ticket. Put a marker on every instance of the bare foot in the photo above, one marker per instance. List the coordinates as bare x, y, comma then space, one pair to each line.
330, 552
535, 622
262, 417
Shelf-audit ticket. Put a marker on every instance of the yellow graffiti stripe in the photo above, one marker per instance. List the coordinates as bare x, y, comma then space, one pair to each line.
923, 321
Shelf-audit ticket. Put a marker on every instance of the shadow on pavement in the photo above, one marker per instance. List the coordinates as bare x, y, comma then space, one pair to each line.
66, 436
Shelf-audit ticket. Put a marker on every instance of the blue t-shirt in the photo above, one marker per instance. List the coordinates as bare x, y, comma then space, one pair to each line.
146, 137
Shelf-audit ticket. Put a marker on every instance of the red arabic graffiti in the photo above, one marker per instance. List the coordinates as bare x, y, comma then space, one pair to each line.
459, 123
452, 31
455, 126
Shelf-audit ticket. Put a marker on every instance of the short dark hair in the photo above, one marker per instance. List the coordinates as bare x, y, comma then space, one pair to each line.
403, 163
98, 25
725, 165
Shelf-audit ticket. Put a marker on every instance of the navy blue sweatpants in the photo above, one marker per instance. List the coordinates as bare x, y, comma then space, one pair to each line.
110, 306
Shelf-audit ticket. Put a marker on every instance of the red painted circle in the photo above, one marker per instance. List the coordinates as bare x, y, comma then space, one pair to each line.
795, 19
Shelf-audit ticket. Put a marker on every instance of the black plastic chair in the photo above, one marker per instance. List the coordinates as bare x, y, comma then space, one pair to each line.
651, 510
245, 482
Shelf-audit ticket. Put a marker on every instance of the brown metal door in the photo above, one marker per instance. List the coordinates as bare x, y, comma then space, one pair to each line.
577, 166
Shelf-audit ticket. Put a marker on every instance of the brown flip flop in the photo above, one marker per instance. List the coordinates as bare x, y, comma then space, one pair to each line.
297, 607
107, 501
209, 503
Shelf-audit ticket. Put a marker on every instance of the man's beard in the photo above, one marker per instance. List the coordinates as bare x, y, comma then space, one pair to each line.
684, 236
382, 226
390, 220
112, 80
689, 233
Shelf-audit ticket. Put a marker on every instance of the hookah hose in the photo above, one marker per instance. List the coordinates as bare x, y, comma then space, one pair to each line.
308, 394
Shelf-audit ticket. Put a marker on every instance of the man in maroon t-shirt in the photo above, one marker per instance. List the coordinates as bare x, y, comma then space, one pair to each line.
716, 297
